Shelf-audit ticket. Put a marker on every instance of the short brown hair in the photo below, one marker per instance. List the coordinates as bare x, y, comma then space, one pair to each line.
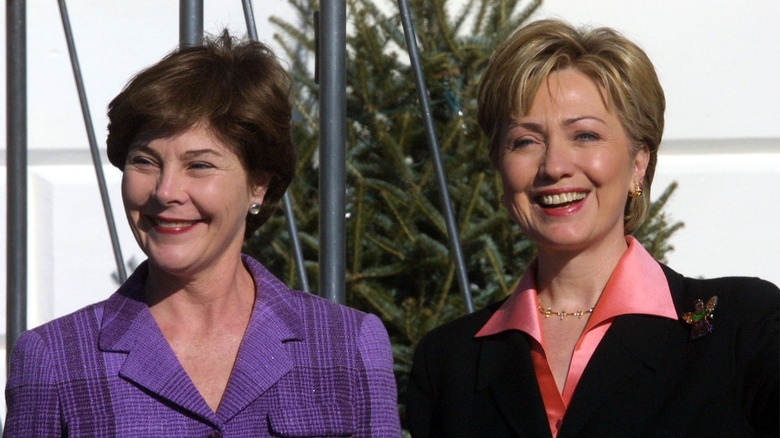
239, 90
617, 65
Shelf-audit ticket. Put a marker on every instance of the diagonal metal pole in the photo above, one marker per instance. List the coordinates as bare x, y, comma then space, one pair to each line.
289, 214
16, 162
190, 23
433, 145
292, 230
333, 120
93, 147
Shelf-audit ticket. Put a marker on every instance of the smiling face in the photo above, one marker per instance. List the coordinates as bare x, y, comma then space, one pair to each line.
186, 198
568, 165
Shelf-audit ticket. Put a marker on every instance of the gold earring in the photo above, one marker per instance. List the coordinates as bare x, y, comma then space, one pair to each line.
639, 188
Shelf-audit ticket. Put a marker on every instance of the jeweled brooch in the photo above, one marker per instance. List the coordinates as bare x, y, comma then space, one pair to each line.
700, 318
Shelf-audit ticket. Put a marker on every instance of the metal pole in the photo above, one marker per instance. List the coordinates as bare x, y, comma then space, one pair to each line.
292, 230
289, 214
433, 145
190, 23
16, 162
93, 147
332, 174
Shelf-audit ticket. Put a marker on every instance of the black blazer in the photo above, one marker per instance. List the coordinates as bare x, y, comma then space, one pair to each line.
645, 379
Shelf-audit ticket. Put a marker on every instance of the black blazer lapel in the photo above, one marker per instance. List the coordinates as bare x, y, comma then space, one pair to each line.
506, 371
630, 356
632, 347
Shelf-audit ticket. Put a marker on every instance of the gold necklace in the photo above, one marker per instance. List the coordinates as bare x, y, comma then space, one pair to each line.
563, 314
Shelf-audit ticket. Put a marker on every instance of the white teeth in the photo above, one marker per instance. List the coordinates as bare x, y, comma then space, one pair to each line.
167, 224
562, 198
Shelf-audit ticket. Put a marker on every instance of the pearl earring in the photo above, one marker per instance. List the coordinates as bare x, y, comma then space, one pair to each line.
254, 209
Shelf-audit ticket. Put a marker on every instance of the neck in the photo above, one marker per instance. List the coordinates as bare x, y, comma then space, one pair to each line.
575, 279
203, 299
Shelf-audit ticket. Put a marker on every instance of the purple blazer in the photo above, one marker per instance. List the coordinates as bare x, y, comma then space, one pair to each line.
306, 367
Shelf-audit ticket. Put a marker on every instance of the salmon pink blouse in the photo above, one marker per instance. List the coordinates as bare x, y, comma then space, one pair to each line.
637, 286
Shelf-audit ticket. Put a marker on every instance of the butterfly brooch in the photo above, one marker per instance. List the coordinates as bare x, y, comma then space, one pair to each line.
700, 318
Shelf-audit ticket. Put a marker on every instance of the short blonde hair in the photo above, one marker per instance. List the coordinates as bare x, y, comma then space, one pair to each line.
617, 65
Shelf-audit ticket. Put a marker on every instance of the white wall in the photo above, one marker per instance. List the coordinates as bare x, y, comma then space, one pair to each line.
725, 200
717, 60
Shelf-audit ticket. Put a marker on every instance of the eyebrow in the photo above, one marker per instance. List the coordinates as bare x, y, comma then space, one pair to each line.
186, 155
140, 147
536, 127
199, 152
573, 120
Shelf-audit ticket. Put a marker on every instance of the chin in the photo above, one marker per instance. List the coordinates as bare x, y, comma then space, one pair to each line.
172, 261
172, 267
562, 239
563, 245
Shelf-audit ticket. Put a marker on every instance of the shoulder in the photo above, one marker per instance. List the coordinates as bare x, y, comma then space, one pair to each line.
338, 325
82, 323
459, 333
753, 286
37, 352
314, 311
31, 354
738, 296
746, 314
446, 362
311, 303
745, 341
320, 321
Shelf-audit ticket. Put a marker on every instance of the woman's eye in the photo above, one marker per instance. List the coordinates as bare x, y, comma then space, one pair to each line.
200, 165
520, 143
140, 161
586, 136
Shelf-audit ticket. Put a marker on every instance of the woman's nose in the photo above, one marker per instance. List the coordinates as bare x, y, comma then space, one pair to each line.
557, 161
170, 187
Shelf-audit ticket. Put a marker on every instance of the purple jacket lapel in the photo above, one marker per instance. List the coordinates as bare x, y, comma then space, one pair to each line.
263, 358
128, 327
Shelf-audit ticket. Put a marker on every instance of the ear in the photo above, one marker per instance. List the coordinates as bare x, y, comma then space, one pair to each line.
640, 162
259, 187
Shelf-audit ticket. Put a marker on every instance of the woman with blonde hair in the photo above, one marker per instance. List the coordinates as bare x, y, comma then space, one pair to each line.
598, 339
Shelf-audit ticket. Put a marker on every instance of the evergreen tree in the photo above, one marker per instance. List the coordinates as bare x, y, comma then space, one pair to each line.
398, 261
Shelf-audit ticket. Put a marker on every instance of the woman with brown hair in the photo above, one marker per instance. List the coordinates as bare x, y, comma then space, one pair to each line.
598, 339
202, 340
